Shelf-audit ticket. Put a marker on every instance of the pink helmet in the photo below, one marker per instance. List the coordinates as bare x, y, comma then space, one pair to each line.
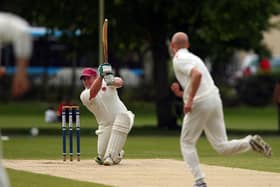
88, 72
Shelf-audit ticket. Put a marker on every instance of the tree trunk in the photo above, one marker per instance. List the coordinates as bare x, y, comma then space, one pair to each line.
165, 116
73, 87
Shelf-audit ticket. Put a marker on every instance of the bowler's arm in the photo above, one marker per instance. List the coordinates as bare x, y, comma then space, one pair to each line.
195, 82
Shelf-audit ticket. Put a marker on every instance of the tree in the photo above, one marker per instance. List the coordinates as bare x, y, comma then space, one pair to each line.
216, 29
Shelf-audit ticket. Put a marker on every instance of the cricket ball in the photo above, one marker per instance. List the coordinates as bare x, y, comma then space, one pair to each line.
34, 131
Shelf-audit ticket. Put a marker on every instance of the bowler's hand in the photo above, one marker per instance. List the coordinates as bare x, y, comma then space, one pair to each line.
188, 106
175, 88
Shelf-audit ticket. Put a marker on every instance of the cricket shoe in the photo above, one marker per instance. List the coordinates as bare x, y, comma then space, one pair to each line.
99, 160
260, 146
109, 161
119, 157
200, 183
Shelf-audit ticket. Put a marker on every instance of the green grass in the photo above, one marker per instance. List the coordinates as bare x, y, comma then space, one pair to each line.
31, 114
250, 160
19, 179
29, 121
137, 147
143, 142
248, 118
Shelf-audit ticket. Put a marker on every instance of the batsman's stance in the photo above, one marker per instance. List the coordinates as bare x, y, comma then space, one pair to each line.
114, 120
203, 110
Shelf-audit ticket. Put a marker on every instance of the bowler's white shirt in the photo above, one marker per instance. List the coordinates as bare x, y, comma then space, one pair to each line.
183, 62
12, 27
105, 105
16, 31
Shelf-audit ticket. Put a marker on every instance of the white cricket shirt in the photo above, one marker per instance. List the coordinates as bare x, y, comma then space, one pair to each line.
105, 106
183, 62
15, 30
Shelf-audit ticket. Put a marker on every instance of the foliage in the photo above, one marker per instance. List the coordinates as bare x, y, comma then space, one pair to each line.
216, 29
229, 96
257, 90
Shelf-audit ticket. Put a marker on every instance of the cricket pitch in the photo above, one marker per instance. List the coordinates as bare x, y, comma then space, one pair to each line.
146, 173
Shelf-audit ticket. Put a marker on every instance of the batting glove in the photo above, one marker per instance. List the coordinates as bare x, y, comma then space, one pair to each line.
105, 69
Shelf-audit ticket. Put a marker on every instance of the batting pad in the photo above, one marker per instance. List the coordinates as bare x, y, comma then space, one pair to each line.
124, 122
103, 134
115, 145
121, 127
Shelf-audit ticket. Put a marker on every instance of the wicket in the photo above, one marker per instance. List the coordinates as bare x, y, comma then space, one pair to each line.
72, 111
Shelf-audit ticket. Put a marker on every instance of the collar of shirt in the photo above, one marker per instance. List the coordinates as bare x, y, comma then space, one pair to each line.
184, 50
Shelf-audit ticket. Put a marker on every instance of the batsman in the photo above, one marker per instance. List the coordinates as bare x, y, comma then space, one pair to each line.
100, 97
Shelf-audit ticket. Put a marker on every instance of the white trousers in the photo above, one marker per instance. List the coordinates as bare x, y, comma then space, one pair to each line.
4, 180
207, 115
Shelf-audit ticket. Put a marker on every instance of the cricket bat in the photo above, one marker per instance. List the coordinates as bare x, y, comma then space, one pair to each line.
105, 40
109, 79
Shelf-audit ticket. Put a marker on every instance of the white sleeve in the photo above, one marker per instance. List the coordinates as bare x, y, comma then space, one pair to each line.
85, 95
185, 66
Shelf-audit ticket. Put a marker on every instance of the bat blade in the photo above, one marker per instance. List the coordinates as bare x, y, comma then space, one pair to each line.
105, 40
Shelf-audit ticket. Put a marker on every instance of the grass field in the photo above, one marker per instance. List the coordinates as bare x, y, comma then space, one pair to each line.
144, 142
31, 114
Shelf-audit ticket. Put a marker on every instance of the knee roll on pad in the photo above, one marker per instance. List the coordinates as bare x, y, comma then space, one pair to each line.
124, 122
